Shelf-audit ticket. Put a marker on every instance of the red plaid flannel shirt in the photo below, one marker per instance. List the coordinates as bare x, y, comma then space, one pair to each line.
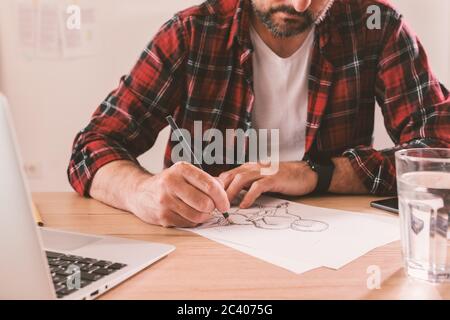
199, 67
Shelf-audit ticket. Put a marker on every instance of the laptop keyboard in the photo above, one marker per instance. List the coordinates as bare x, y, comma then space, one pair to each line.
64, 268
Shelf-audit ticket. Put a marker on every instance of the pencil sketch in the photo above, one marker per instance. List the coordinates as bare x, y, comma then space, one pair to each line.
276, 217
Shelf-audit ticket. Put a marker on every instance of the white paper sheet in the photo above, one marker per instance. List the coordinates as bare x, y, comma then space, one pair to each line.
299, 237
292, 265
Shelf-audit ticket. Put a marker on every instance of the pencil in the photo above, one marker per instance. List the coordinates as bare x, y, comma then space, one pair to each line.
183, 140
37, 215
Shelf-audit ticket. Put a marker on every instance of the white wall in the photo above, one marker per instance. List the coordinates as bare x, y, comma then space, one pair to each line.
430, 21
53, 99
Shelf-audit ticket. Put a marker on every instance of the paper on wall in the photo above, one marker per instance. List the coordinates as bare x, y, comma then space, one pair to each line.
27, 21
78, 42
44, 30
48, 43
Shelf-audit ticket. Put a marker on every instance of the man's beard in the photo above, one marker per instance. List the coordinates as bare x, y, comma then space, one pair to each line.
298, 23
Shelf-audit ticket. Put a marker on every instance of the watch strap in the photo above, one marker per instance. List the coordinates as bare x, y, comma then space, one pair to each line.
324, 172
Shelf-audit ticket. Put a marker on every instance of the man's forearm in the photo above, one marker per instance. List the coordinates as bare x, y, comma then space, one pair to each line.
114, 182
345, 180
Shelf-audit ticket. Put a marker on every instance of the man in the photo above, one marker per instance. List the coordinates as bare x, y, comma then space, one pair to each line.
312, 68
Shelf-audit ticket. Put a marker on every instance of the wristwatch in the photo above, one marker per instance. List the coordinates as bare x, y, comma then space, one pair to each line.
324, 170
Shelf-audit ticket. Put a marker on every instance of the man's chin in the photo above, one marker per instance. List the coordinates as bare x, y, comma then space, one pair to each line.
287, 31
291, 26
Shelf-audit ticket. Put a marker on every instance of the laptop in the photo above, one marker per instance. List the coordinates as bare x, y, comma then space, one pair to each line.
41, 263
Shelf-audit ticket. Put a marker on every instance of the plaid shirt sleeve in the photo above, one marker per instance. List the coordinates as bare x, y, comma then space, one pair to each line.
129, 120
415, 106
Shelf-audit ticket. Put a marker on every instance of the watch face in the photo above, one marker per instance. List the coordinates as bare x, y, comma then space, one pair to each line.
312, 165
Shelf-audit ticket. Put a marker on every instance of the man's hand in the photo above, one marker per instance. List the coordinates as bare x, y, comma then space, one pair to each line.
181, 196
292, 178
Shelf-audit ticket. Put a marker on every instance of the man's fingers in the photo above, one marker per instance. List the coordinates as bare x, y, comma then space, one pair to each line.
240, 181
228, 176
194, 198
208, 185
220, 181
225, 179
189, 213
255, 191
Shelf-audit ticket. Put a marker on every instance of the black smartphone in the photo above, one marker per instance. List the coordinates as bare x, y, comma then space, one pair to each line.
390, 205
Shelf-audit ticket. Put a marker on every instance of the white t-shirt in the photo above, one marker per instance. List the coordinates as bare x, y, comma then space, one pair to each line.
281, 95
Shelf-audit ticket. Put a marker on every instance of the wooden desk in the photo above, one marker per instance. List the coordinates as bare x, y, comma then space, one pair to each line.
202, 269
